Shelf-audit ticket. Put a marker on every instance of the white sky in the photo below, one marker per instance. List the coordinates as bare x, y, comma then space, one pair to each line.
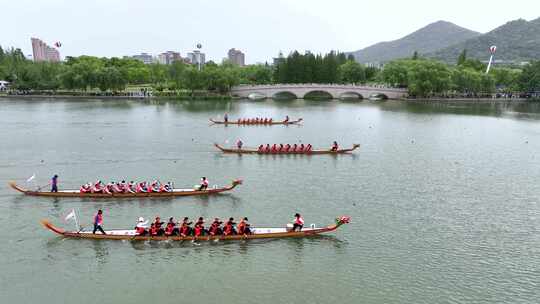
260, 28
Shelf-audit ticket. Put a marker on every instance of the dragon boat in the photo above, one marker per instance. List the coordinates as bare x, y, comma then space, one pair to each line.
256, 233
174, 193
261, 123
310, 152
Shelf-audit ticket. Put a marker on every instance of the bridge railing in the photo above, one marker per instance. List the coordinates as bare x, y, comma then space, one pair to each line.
317, 85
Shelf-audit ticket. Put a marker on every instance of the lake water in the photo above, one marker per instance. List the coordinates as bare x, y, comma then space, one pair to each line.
444, 200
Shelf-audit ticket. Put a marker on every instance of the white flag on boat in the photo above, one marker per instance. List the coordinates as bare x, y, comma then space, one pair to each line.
70, 215
31, 178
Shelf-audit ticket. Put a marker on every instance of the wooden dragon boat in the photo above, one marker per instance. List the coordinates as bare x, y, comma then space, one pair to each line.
311, 152
174, 193
257, 233
291, 122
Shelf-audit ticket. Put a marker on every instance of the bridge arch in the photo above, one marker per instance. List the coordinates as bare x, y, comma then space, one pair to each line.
256, 96
284, 95
318, 95
350, 95
378, 96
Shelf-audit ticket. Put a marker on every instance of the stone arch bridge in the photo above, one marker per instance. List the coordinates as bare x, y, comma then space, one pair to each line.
336, 91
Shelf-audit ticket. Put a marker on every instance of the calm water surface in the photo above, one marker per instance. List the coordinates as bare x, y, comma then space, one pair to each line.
444, 200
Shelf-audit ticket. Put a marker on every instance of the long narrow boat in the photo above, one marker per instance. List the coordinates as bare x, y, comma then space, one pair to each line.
291, 122
257, 233
174, 193
311, 152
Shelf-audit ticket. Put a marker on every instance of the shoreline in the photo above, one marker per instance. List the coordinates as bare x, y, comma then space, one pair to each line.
229, 98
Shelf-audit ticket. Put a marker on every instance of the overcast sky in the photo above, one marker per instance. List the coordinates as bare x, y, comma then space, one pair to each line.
260, 28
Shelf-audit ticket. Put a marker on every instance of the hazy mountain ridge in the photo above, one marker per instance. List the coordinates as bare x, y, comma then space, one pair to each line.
517, 40
433, 37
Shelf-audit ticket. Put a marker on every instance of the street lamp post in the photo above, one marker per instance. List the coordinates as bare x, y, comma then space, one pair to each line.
199, 47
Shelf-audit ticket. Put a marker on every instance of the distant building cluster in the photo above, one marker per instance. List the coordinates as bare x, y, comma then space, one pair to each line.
236, 57
42, 52
171, 56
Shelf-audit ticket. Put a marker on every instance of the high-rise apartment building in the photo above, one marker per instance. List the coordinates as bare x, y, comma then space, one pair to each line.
169, 57
42, 52
196, 57
236, 56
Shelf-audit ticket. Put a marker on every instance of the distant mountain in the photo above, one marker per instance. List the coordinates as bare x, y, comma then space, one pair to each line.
516, 41
428, 39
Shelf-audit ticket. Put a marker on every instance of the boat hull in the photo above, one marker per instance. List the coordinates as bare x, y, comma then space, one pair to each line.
175, 193
312, 152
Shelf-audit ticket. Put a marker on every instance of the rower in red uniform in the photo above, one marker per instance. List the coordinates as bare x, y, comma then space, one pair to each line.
308, 148
261, 149
265, 121
267, 149
170, 228
301, 149
185, 229
199, 228
157, 224
295, 146
153, 230
243, 227
287, 147
108, 188
280, 149
335, 147
228, 229
274, 148
98, 187
140, 228
215, 227
298, 222
85, 188
131, 187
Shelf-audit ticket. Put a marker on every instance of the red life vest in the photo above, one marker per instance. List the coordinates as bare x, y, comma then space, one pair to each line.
184, 229
214, 228
241, 227
139, 230
299, 221
198, 230
153, 231
169, 229
228, 229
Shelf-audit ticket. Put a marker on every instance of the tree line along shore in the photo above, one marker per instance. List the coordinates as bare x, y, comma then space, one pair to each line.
423, 77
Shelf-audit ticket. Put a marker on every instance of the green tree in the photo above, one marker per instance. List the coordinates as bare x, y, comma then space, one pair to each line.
352, 72
462, 57
529, 80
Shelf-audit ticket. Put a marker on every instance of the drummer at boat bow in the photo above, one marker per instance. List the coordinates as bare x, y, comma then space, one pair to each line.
98, 222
